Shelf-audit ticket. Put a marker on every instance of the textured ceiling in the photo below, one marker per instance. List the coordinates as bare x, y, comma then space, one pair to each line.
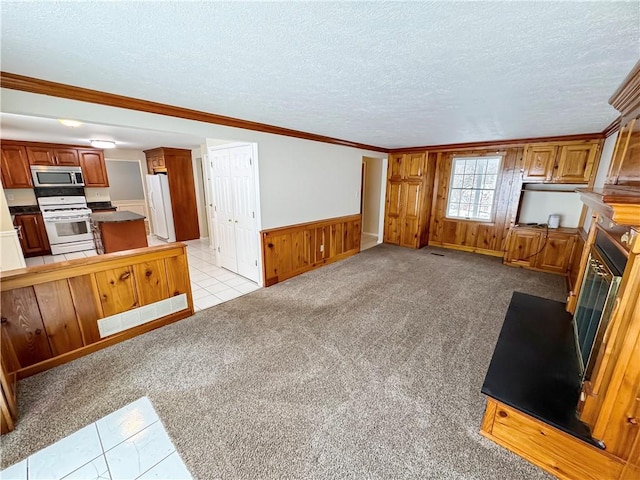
387, 74
39, 129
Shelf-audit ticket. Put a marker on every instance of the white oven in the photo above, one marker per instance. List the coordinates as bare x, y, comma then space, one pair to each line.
45, 176
67, 221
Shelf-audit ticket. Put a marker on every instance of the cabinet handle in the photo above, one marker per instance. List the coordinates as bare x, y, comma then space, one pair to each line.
38, 331
3, 320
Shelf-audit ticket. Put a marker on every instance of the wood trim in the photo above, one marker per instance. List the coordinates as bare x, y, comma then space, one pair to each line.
23, 83
627, 97
47, 144
612, 128
107, 342
500, 144
317, 224
464, 248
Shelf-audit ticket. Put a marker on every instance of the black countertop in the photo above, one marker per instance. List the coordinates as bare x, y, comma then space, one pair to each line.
100, 206
24, 209
535, 368
121, 216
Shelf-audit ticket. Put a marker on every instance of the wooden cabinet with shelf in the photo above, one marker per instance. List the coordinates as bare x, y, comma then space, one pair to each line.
408, 199
15, 167
538, 249
560, 163
32, 234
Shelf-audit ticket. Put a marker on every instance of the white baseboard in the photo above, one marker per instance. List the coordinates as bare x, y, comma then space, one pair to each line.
12, 256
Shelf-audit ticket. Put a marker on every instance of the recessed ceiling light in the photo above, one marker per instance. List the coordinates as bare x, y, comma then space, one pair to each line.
103, 144
70, 123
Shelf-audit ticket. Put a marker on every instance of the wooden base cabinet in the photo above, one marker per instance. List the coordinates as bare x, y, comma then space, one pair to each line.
32, 234
408, 201
538, 249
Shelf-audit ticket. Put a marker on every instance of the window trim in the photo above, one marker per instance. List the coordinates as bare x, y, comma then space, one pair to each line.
492, 216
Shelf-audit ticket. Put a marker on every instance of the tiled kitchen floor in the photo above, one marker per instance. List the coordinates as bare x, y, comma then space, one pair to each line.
130, 443
210, 285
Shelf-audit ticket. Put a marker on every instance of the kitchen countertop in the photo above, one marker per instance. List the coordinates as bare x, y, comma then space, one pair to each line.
121, 216
24, 209
100, 206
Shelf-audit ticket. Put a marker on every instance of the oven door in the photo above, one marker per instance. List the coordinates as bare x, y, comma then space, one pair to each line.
68, 230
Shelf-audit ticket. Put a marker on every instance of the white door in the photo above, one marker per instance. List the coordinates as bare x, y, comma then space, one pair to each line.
155, 204
244, 211
234, 205
223, 206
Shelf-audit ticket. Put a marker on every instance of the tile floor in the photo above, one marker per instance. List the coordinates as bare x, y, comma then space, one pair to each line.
210, 285
130, 443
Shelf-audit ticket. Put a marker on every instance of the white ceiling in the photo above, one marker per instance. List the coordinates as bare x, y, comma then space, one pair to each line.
38, 129
387, 74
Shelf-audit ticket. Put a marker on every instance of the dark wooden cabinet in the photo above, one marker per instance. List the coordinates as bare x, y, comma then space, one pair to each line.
50, 155
32, 234
93, 167
15, 167
176, 162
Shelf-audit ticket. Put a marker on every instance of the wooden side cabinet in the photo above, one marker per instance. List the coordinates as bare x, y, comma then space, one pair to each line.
536, 249
15, 167
32, 234
560, 163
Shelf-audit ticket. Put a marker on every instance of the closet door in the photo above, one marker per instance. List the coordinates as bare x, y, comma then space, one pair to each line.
244, 215
223, 209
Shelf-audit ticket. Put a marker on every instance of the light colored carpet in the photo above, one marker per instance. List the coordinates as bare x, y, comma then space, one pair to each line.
367, 368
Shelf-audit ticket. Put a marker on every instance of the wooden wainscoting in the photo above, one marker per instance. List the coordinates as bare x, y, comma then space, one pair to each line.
50, 313
292, 250
481, 237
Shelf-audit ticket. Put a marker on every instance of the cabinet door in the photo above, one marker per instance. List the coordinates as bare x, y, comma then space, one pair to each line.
93, 167
575, 163
22, 326
15, 167
394, 173
67, 157
629, 169
539, 162
392, 227
556, 254
41, 156
522, 247
413, 166
32, 234
410, 216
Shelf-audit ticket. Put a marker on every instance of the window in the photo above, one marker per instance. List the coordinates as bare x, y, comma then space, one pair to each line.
472, 187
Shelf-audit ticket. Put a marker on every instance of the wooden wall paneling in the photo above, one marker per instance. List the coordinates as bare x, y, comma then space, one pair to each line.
7, 419
177, 273
59, 316
574, 264
9, 388
292, 250
88, 310
151, 281
428, 198
117, 291
22, 323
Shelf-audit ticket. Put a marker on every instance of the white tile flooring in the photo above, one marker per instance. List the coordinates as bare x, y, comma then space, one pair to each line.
130, 443
210, 285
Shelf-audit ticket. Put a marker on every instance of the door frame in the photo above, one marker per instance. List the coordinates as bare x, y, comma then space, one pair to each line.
212, 219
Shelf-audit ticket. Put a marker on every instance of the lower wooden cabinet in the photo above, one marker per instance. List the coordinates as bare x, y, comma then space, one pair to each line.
540, 249
32, 234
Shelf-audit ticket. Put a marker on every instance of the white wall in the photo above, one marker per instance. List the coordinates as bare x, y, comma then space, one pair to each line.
603, 169
11, 256
372, 191
300, 180
196, 159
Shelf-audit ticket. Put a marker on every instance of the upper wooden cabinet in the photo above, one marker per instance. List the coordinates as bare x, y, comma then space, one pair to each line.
47, 155
560, 163
15, 167
406, 166
93, 167
625, 165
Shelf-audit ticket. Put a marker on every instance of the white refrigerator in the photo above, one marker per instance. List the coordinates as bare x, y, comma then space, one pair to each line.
160, 206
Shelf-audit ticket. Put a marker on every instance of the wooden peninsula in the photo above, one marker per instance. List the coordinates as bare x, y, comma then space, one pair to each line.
117, 231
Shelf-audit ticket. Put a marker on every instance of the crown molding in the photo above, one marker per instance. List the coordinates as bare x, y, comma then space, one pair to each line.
612, 128
45, 87
626, 98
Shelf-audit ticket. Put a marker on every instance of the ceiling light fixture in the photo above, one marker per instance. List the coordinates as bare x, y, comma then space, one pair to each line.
69, 123
103, 144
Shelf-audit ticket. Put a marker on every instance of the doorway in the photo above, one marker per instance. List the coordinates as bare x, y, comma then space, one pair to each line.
372, 201
233, 211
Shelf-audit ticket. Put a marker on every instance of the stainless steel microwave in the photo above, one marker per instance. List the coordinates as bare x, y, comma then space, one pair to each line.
45, 176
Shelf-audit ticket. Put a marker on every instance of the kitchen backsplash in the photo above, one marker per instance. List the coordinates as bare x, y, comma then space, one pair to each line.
26, 196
